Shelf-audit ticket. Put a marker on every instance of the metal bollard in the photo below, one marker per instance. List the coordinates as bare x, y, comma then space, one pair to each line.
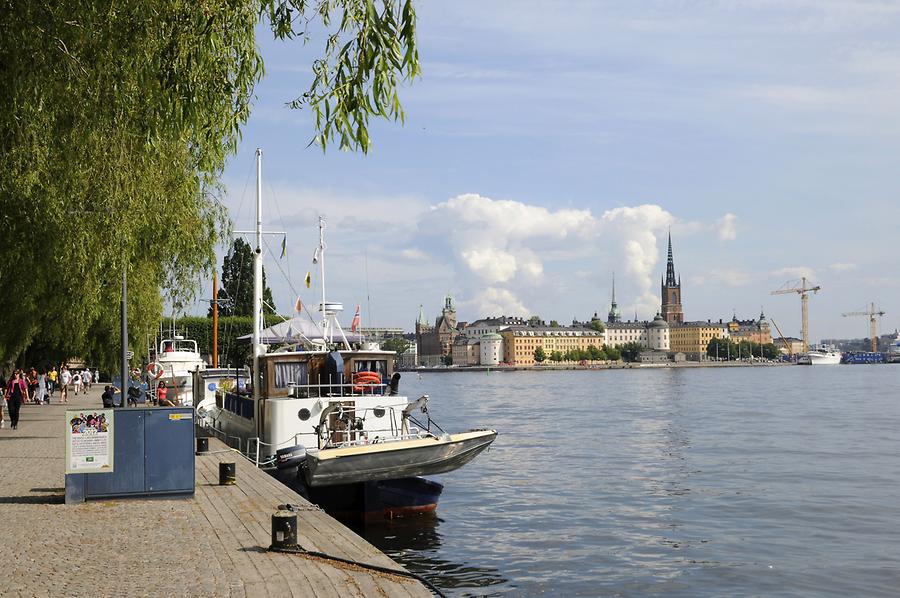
227, 474
284, 530
202, 445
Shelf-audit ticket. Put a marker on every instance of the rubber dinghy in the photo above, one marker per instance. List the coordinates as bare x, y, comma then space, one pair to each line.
426, 455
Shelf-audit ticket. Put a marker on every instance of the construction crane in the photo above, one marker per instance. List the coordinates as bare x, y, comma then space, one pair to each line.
803, 290
784, 342
871, 312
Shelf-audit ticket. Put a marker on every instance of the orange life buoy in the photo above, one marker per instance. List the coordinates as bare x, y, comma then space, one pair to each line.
156, 370
365, 380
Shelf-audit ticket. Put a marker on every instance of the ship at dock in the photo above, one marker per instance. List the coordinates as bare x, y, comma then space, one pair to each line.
323, 412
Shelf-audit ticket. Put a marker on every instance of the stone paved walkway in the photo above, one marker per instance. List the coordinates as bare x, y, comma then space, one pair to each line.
211, 545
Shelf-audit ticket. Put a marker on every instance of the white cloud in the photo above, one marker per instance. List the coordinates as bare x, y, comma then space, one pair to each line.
842, 267
795, 272
729, 277
413, 254
727, 231
494, 301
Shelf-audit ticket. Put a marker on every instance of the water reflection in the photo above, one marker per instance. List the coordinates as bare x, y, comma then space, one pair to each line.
415, 543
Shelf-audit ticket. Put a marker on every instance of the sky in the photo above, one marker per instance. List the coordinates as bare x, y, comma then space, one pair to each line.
550, 145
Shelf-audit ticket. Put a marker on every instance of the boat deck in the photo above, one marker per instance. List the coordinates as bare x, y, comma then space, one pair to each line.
214, 544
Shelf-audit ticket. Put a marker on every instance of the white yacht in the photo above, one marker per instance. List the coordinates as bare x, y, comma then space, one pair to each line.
175, 363
893, 352
327, 416
820, 355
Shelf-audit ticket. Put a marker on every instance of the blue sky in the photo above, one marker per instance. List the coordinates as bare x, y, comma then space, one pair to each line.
549, 144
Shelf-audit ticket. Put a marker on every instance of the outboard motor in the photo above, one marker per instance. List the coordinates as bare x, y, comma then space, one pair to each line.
334, 372
290, 457
395, 384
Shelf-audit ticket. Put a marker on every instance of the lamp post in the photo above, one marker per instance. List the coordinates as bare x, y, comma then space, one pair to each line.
124, 356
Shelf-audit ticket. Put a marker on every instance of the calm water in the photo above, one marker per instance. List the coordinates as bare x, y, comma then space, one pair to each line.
688, 482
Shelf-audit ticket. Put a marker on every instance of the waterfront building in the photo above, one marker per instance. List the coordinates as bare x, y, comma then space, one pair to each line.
435, 342
466, 351
670, 292
479, 328
409, 358
491, 349
692, 338
755, 331
654, 335
520, 342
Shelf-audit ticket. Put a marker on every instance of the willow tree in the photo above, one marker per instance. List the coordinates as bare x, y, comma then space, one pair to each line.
116, 119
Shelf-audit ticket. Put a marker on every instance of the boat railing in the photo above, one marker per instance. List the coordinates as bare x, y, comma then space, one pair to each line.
224, 436
340, 388
257, 443
353, 432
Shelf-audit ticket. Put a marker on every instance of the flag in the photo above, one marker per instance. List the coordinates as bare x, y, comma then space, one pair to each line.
298, 307
308, 280
283, 246
355, 323
316, 256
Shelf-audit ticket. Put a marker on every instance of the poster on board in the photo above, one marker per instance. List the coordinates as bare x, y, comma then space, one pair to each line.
89, 440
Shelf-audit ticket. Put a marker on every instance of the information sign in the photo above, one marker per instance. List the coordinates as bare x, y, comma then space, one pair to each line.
89, 440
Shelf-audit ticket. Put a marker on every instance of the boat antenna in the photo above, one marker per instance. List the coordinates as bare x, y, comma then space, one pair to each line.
257, 279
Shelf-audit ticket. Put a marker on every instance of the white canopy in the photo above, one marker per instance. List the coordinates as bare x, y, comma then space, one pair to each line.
296, 330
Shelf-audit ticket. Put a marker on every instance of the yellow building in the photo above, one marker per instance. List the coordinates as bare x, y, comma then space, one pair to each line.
519, 342
692, 338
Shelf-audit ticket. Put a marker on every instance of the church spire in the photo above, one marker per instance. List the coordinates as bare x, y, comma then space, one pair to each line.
614, 314
670, 266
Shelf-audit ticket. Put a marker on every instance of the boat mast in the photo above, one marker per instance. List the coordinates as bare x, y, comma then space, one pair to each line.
325, 326
257, 279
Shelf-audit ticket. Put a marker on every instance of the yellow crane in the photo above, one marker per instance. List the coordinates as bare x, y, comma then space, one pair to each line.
870, 313
803, 290
784, 342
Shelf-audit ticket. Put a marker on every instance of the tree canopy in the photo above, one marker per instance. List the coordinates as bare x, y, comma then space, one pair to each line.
236, 294
116, 119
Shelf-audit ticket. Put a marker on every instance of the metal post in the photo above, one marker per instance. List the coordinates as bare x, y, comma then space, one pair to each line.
125, 376
215, 321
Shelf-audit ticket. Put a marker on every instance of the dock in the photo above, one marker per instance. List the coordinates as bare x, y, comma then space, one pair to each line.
213, 544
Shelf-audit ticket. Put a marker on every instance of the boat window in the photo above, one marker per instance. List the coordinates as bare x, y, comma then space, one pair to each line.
371, 365
290, 373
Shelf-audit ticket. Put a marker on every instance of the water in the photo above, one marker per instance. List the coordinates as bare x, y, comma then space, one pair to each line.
686, 482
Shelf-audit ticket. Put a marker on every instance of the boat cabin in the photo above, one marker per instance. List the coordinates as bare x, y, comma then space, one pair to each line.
321, 374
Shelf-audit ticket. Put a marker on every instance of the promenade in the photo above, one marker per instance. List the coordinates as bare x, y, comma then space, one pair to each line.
213, 544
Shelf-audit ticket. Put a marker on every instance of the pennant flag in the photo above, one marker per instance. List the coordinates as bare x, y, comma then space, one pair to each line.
355, 323
283, 245
298, 307
308, 280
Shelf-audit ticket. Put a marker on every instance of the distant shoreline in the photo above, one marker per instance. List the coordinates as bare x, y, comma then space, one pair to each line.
600, 366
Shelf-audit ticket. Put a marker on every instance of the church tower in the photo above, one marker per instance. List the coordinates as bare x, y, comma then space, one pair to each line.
613, 315
670, 292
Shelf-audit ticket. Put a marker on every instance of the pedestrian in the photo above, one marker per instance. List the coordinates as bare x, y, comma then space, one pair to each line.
96, 376
32, 380
40, 394
2, 400
16, 393
65, 378
76, 382
52, 377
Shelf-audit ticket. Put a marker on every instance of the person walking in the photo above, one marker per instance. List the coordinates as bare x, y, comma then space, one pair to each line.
65, 377
40, 394
52, 377
76, 382
32, 379
16, 393
2, 400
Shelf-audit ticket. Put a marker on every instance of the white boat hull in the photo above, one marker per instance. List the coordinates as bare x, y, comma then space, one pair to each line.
820, 359
395, 459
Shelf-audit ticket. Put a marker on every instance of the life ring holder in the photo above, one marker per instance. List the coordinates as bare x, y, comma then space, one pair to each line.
365, 380
156, 370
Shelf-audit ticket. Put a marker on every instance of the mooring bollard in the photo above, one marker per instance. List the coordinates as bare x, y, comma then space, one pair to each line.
227, 474
284, 529
202, 445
